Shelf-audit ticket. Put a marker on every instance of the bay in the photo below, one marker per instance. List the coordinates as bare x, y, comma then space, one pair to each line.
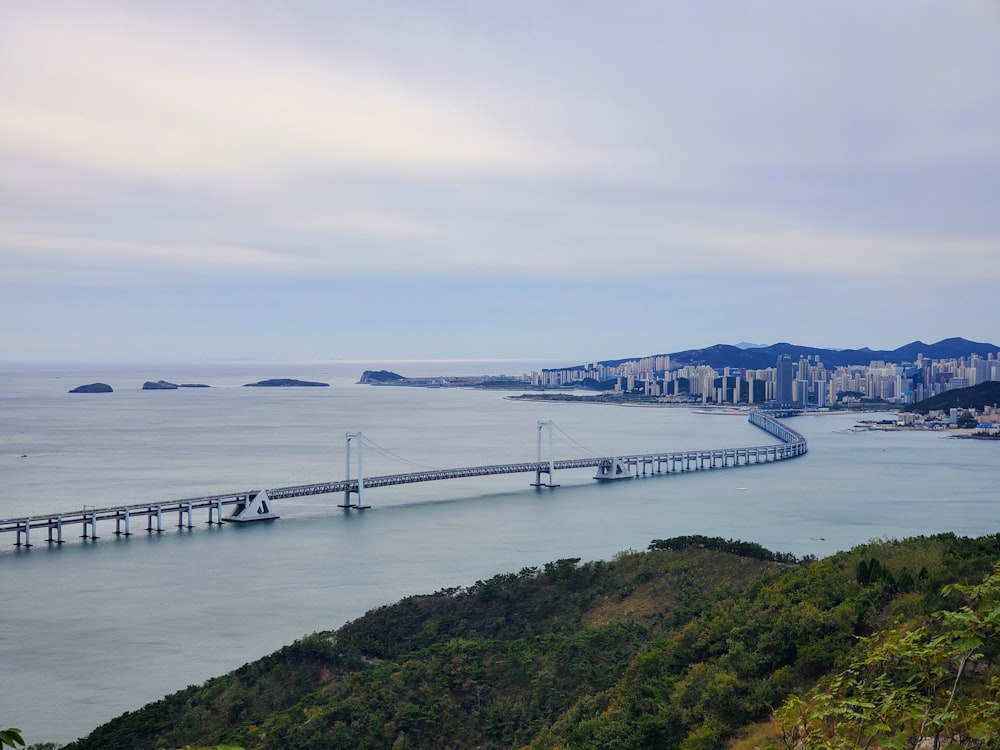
91, 629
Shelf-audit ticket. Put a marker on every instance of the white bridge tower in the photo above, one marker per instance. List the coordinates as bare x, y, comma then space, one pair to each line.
360, 489
541, 470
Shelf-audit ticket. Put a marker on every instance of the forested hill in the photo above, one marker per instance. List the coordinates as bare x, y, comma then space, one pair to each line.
973, 397
691, 644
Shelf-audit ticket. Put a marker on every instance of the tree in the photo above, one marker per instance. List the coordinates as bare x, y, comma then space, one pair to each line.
910, 687
966, 420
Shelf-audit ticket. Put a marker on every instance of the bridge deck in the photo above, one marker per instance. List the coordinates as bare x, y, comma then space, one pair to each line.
793, 444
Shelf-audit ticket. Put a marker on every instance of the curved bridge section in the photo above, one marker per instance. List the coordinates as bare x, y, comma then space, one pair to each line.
256, 504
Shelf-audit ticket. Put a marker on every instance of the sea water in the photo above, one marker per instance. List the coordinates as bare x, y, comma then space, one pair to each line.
91, 629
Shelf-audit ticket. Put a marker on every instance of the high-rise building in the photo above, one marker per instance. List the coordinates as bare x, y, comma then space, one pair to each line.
784, 375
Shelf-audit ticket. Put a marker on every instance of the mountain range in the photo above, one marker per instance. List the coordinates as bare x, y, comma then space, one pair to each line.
759, 357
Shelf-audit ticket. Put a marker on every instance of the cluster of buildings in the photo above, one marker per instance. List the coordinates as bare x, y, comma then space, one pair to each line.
804, 382
985, 421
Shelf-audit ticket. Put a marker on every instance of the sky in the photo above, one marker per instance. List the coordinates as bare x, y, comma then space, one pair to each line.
557, 180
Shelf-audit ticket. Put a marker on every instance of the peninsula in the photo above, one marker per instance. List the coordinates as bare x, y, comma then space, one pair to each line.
497, 382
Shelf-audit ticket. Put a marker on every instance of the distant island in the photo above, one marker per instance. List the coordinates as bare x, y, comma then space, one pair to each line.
379, 377
496, 382
163, 385
284, 383
93, 388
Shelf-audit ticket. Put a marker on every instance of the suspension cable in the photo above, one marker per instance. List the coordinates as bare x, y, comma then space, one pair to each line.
571, 442
395, 456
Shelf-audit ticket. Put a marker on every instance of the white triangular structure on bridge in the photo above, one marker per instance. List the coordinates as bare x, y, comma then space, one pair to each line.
253, 507
612, 468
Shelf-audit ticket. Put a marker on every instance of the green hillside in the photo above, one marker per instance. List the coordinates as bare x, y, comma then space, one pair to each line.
691, 644
973, 397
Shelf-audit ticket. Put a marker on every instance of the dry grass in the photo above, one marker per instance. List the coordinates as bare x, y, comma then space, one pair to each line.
761, 736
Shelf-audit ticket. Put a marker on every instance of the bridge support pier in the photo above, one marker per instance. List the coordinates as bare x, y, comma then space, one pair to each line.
159, 520
58, 528
180, 517
92, 522
215, 511
118, 523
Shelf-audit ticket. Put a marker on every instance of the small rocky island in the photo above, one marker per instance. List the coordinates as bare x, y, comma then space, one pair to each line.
93, 388
164, 385
159, 385
379, 377
284, 383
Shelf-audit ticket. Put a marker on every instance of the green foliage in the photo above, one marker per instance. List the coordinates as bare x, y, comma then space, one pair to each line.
200, 714
872, 572
11, 738
910, 684
966, 420
973, 397
733, 546
681, 646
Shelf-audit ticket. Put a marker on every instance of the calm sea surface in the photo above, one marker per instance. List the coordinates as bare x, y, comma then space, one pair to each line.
91, 629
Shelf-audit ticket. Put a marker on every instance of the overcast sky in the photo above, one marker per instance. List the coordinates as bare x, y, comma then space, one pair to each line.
529, 180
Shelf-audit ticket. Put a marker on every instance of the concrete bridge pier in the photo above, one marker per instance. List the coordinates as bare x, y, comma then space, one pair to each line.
159, 520
123, 516
92, 523
58, 528
180, 517
215, 511
26, 530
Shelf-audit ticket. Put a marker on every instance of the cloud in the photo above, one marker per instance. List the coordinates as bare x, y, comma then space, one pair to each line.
582, 144
97, 261
835, 254
184, 96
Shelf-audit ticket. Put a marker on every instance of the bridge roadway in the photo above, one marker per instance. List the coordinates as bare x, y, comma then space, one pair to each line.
616, 467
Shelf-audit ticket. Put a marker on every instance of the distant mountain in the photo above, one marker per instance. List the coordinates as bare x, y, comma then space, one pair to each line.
726, 355
748, 345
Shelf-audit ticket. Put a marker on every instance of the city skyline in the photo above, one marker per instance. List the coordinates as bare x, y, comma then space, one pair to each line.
803, 382
536, 182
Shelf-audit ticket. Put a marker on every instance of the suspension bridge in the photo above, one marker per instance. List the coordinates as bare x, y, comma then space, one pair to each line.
256, 505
